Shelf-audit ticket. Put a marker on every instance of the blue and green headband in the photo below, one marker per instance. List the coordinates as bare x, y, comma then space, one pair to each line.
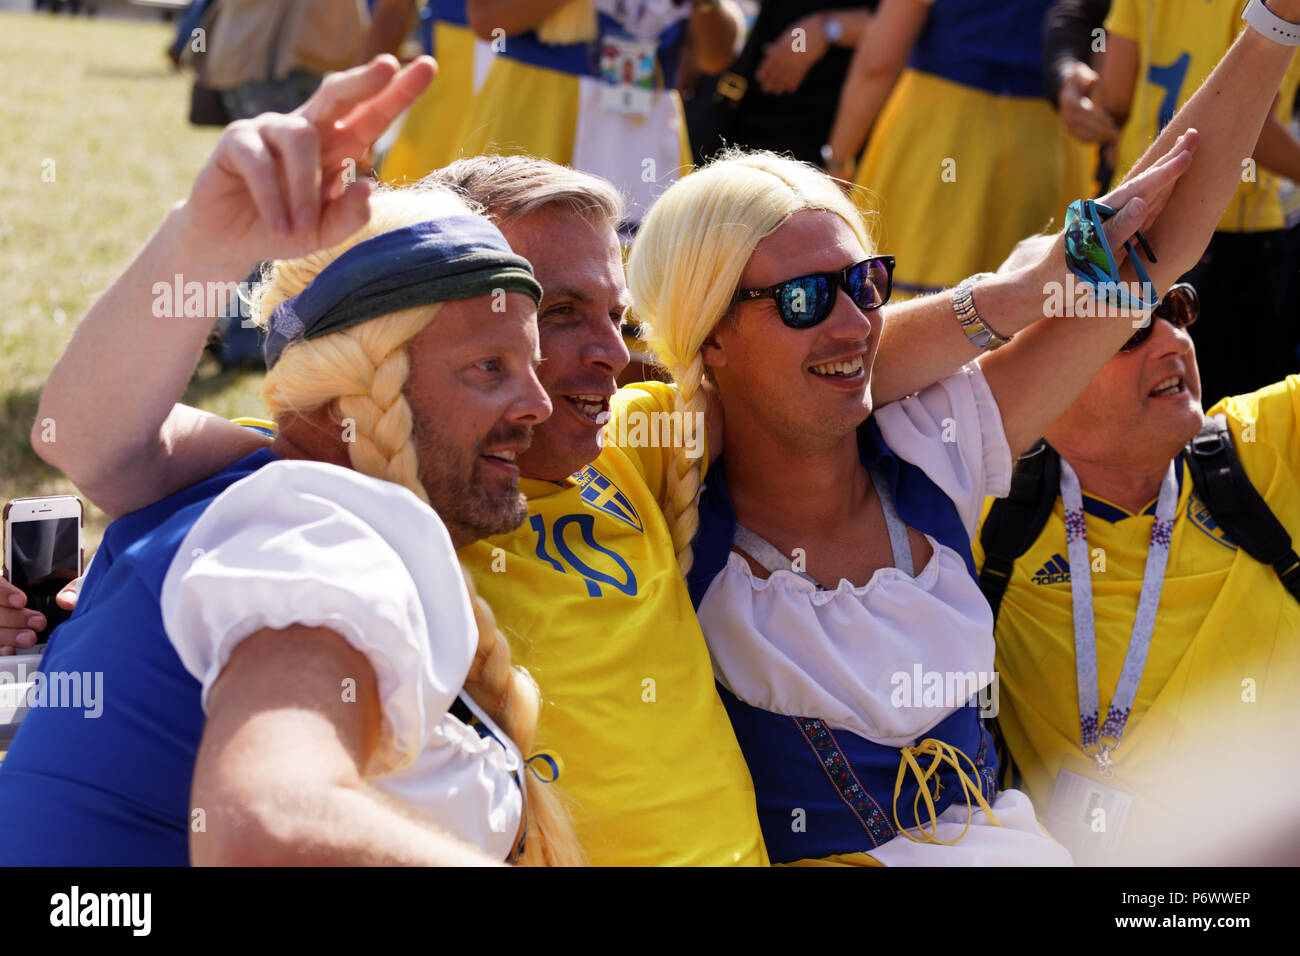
458, 257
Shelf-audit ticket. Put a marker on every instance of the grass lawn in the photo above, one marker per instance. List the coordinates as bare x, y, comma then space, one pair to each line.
96, 103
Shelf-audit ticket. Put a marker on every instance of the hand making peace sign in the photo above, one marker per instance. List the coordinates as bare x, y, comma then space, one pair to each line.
276, 186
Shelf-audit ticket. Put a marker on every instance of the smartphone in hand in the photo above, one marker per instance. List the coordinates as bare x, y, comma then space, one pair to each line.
43, 552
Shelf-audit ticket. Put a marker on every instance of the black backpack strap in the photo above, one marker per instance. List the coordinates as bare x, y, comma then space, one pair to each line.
1010, 528
1014, 523
1222, 485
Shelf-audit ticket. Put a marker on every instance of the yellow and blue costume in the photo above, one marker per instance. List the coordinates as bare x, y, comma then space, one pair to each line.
590, 597
849, 766
967, 158
551, 100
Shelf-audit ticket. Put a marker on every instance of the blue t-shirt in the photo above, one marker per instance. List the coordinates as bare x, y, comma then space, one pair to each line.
106, 781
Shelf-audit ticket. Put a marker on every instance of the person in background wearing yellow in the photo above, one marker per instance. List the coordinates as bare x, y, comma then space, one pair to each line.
965, 158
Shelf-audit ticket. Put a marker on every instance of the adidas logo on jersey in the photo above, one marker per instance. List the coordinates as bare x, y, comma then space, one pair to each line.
1055, 571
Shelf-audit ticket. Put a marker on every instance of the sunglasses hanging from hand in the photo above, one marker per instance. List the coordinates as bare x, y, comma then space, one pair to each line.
1089, 257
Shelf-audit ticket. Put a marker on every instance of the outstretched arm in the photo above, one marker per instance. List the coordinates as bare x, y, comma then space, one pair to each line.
275, 187
1036, 377
922, 342
1037, 380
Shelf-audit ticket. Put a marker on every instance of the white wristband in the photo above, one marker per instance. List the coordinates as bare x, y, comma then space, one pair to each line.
1270, 24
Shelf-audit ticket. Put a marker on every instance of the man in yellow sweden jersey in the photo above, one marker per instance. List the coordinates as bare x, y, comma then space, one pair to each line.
1205, 721
649, 759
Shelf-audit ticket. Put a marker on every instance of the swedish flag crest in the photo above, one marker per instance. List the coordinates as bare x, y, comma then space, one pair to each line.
599, 492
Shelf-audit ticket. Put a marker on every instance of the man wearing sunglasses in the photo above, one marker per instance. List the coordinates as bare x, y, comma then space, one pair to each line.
1127, 596
804, 301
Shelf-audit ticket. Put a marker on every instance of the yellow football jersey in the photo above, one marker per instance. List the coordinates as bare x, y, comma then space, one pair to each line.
1179, 44
1221, 675
590, 595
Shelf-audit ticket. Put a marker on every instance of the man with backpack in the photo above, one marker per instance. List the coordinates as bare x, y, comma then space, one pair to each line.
1143, 560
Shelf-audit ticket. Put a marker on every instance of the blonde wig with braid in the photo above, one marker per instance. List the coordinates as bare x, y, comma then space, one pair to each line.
359, 374
685, 266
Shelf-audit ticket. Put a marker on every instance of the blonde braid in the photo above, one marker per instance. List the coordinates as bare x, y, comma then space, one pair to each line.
382, 441
683, 472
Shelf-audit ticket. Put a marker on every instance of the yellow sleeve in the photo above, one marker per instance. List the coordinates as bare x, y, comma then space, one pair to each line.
1123, 19
646, 426
1266, 424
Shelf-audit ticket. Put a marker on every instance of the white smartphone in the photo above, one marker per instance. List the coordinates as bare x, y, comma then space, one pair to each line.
43, 551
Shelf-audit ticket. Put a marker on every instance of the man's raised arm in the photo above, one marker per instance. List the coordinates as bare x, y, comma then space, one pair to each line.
275, 187
922, 342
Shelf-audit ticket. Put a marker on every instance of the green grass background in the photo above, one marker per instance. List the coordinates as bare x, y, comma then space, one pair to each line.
100, 99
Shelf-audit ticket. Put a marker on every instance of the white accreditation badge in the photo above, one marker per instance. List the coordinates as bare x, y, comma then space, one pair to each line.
627, 72
1088, 817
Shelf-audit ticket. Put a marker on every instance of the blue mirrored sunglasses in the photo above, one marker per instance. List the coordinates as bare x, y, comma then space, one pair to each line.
807, 300
1088, 255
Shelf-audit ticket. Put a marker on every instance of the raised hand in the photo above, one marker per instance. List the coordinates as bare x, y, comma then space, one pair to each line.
1139, 200
1153, 185
277, 186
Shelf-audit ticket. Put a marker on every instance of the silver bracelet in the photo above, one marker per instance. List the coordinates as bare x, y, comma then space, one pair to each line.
968, 317
1267, 22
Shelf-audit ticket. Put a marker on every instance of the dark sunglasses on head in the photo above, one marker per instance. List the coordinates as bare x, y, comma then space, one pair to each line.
807, 300
1180, 308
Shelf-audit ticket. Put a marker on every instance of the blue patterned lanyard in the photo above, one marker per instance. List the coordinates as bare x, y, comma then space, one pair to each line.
1085, 638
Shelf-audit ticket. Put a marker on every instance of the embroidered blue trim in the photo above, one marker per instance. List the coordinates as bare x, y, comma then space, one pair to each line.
827, 750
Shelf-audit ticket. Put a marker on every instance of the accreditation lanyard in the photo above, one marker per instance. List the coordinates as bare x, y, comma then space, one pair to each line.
1095, 739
